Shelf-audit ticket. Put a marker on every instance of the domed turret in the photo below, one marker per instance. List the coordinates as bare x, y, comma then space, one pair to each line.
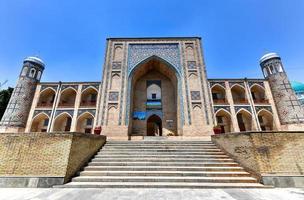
16, 113
287, 104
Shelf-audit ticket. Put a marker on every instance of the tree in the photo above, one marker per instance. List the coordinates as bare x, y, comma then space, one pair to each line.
5, 96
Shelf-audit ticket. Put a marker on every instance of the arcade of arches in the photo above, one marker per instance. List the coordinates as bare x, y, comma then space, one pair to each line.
154, 102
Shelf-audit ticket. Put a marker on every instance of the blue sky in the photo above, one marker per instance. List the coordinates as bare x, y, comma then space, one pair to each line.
70, 35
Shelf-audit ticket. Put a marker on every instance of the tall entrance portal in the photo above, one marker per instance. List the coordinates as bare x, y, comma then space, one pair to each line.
154, 99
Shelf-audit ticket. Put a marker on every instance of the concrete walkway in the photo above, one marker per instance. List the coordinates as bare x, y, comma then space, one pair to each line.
155, 194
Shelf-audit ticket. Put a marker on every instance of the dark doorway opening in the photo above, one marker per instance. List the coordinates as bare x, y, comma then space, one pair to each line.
154, 126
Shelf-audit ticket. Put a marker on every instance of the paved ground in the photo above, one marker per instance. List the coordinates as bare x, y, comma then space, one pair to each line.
155, 194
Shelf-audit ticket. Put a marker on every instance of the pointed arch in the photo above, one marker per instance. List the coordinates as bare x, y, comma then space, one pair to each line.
224, 121
89, 97
40, 123
46, 97
258, 94
62, 122
68, 97
218, 94
85, 123
245, 120
239, 94
266, 121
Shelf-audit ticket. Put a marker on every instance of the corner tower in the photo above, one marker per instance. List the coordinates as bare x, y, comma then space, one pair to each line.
18, 108
290, 112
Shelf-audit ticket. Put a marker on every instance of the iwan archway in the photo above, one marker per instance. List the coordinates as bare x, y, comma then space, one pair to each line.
154, 99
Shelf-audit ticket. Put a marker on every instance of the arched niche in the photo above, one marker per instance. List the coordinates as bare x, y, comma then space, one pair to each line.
112, 116
239, 94
40, 123
67, 98
85, 123
245, 120
89, 97
115, 81
154, 126
118, 53
46, 98
266, 120
223, 120
218, 94
62, 123
258, 94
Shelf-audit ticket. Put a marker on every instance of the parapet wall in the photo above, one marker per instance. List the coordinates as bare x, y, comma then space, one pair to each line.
44, 159
277, 158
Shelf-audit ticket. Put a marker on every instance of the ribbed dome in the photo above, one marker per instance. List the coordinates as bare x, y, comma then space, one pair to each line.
269, 56
297, 86
35, 60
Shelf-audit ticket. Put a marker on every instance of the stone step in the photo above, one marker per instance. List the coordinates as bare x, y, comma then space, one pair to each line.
159, 156
158, 185
165, 173
197, 164
159, 142
155, 159
161, 150
142, 153
160, 147
163, 168
164, 179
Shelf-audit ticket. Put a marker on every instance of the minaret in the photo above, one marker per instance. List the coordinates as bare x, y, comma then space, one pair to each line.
18, 108
289, 110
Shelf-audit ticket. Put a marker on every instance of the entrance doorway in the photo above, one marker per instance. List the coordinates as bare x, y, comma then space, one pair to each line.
154, 126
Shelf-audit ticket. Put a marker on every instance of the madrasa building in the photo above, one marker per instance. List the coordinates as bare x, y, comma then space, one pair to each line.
154, 87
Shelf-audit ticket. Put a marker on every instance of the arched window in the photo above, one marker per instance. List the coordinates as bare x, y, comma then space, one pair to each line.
265, 72
153, 92
32, 73
24, 71
38, 75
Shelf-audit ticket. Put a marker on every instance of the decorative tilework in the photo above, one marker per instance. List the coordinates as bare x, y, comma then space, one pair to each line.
81, 111
251, 83
140, 52
113, 96
238, 108
268, 108
116, 65
49, 86
47, 112
69, 86
217, 83
231, 84
96, 86
191, 64
195, 95
217, 108
70, 112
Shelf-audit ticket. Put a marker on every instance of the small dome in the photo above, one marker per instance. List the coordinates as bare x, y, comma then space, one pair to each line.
269, 56
35, 60
297, 86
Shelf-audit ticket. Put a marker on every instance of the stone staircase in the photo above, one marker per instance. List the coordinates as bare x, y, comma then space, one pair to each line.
162, 164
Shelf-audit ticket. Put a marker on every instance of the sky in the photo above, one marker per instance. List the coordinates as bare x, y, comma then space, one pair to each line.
70, 36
